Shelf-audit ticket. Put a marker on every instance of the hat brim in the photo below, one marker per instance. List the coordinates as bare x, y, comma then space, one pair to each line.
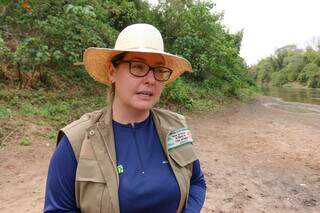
96, 59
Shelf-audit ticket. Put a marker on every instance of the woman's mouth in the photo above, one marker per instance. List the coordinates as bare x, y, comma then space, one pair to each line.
145, 93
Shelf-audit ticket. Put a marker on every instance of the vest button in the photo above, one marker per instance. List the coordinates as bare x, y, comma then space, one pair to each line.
91, 132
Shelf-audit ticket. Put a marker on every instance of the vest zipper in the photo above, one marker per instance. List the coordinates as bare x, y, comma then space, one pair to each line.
138, 150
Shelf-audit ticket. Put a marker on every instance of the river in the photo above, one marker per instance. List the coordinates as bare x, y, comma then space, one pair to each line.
301, 95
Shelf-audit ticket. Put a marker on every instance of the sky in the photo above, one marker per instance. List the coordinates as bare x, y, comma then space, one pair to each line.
270, 24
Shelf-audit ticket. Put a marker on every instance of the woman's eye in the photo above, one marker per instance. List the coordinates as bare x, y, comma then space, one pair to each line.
138, 66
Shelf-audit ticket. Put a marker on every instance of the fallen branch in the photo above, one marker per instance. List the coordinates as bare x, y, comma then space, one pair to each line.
3, 141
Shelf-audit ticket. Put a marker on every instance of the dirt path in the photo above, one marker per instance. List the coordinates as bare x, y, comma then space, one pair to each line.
260, 159
256, 158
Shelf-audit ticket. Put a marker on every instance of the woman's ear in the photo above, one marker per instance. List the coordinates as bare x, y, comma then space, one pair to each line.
111, 72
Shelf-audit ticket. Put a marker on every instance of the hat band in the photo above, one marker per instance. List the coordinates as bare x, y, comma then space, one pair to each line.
140, 49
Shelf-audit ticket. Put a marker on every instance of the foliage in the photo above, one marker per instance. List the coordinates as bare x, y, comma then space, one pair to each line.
198, 35
5, 53
294, 67
41, 41
279, 78
52, 35
52, 134
25, 141
289, 64
264, 70
4, 112
310, 76
55, 108
6, 57
177, 93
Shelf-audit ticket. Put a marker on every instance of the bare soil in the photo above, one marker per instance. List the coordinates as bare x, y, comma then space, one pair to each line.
256, 158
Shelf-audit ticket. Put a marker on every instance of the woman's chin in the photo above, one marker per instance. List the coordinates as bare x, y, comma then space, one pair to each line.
143, 105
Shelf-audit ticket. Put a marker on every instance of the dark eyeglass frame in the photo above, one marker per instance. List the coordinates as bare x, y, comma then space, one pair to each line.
150, 68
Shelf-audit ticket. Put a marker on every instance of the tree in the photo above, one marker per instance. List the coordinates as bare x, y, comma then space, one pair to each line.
52, 35
265, 68
290, 64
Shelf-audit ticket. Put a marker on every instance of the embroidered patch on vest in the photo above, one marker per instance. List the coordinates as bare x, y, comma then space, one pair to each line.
179, 137
120, 169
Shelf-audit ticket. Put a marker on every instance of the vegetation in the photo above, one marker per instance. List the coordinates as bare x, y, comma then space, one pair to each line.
290, 65
42, 107
50, 109
41, 40
25, 141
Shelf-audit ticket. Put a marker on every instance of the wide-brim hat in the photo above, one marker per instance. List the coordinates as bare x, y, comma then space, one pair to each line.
143, 38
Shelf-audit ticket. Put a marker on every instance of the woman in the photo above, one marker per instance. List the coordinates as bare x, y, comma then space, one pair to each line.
128, 157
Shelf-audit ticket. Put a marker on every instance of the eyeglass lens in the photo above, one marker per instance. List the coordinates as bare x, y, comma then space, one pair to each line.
140, 69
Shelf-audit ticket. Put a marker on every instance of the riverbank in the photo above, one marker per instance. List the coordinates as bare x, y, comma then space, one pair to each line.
256, 158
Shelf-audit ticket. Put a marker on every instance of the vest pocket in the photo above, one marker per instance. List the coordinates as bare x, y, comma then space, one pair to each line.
91, 188
183, 155
89, 170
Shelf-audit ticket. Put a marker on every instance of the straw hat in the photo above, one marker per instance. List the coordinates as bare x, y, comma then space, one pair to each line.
134, 38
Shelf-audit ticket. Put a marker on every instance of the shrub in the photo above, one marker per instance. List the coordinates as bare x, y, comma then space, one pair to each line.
177, 92
25, 141
4, 112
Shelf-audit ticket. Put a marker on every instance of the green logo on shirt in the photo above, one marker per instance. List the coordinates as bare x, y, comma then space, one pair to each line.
120, 169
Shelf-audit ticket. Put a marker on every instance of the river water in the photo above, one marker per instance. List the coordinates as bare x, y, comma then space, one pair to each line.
301, 95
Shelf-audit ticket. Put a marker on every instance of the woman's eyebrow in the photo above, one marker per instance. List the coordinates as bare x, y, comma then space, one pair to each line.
143, 60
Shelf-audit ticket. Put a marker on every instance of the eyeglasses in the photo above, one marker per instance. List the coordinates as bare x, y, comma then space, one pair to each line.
141, 69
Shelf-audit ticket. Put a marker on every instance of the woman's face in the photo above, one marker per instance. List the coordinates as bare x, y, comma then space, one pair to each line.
137, 93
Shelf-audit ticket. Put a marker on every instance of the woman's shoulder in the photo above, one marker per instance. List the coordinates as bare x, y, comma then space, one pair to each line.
76, 130
85, 120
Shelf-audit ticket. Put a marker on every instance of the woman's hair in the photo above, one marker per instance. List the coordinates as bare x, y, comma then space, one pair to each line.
117, 58
112, 89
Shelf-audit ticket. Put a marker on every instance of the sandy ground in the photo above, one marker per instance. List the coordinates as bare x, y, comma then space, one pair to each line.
257, 157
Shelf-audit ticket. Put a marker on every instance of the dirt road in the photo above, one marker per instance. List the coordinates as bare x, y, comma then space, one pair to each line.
256, 158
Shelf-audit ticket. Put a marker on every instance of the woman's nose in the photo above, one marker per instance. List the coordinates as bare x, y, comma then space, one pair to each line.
150, 77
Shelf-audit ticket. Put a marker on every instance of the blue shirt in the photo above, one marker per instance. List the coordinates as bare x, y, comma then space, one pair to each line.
147, 182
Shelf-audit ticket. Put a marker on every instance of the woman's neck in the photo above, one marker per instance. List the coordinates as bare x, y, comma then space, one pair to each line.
124, 115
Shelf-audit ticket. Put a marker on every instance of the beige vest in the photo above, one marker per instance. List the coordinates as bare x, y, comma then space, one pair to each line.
97, 180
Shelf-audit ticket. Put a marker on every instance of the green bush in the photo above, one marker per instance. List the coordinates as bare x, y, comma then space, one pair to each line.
5, 54
177, 93
309, 75
279, 78
4, 112
28, 109
25, 141
52, 134
314, 80
50, 109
